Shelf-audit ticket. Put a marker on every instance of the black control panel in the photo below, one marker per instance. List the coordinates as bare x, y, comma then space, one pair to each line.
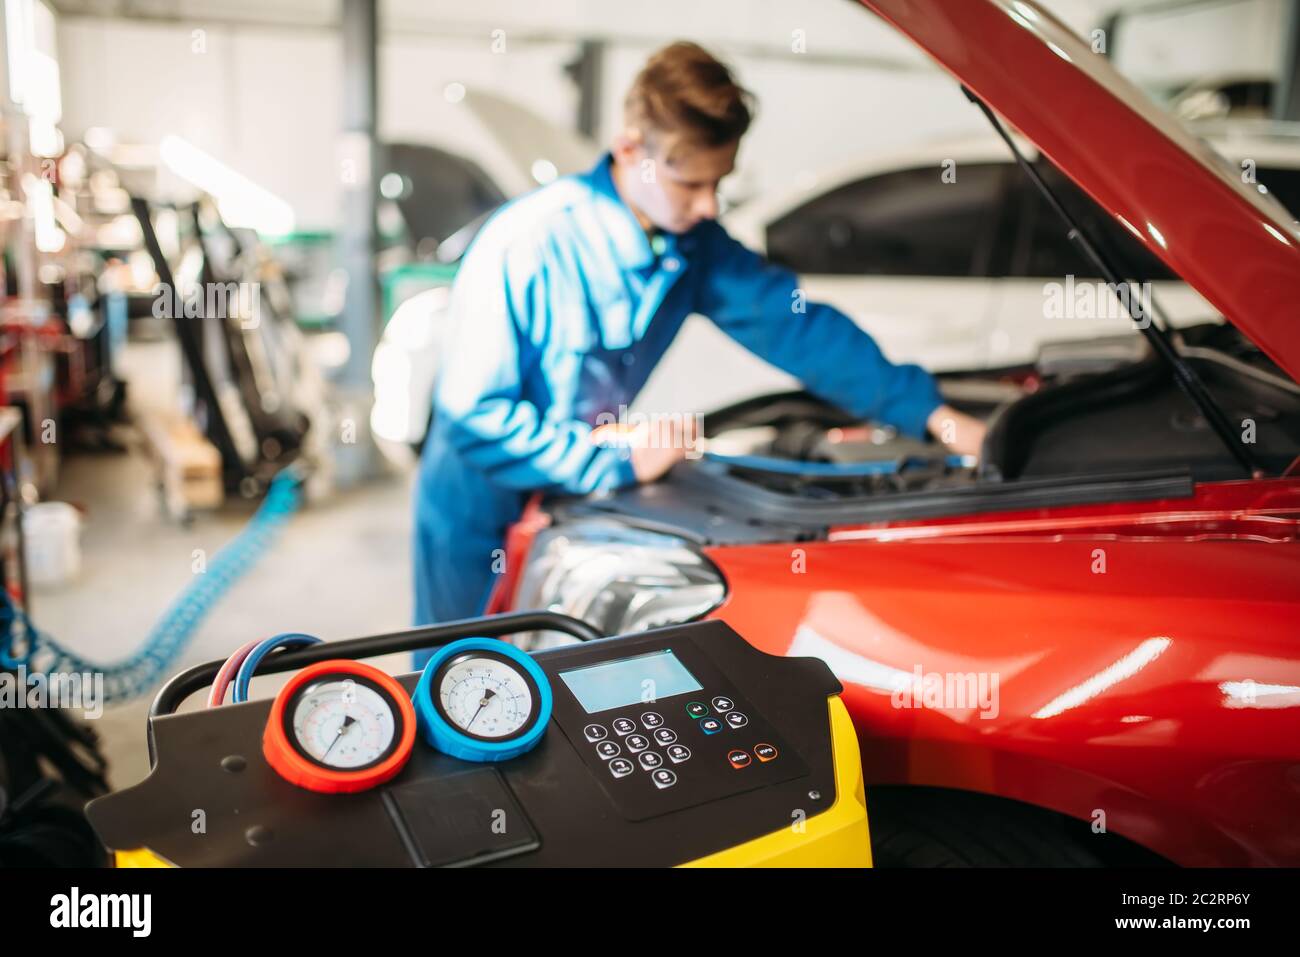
657, 754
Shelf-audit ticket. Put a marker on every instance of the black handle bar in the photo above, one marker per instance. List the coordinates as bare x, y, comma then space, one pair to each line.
183, 685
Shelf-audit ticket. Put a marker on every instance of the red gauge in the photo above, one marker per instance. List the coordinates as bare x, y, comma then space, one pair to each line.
338, 727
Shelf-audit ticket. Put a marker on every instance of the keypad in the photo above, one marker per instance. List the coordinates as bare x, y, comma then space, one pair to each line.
641, 753
660, 748
654, 757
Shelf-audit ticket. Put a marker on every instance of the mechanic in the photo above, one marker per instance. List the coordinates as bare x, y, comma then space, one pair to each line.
567, 299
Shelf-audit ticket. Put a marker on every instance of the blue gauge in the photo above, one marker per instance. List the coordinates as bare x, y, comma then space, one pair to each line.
481, 699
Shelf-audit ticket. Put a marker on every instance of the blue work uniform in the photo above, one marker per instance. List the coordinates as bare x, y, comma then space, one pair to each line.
561, 309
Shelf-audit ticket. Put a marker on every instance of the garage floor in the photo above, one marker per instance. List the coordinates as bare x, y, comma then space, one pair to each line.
340, 569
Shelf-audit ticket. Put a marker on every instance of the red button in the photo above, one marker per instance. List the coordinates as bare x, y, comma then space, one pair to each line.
738, 759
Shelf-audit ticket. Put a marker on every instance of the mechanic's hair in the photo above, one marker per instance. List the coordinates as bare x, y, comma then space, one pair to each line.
683, 91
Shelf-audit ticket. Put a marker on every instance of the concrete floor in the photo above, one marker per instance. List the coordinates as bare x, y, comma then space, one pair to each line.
340, 569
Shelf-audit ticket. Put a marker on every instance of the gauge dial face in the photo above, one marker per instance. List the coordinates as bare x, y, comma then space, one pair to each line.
485, 696
343, 723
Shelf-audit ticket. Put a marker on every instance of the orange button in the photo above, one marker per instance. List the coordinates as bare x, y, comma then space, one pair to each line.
765, 752
738, 759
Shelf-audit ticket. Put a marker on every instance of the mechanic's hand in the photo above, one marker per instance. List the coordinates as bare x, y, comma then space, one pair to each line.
652, 462
654, 451
962, 433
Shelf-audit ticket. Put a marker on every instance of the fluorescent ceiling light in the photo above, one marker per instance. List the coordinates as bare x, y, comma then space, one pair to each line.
241, 201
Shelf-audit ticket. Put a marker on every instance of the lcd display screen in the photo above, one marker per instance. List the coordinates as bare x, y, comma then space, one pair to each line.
642, 679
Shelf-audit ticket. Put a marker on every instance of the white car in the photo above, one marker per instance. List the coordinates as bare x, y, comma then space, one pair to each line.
945, 253
948, 274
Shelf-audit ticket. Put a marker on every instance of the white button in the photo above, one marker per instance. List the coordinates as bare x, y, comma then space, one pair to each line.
608, 749
664, 778
624, 725
672, 264
650, 760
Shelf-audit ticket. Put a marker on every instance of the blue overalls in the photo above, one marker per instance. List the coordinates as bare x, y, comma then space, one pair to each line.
560, 311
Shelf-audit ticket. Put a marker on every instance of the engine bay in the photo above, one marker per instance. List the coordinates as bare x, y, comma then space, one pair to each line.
1083, 409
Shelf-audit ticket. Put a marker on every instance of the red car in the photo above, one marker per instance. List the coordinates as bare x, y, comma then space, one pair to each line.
1085, 648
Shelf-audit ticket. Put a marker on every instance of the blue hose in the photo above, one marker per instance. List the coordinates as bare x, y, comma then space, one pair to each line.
291, 639
139, 672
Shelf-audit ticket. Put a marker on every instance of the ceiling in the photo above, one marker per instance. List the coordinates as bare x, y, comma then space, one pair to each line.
566, 16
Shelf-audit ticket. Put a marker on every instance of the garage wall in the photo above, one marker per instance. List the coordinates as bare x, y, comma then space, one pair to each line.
264, 98
1233, 39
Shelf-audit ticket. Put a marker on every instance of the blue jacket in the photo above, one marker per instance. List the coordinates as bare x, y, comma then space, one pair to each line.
560, 312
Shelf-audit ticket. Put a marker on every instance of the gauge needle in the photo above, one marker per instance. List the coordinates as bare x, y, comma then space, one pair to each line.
348, 721
482, 703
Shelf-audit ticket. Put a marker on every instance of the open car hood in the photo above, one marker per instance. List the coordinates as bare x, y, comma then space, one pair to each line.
1239, 248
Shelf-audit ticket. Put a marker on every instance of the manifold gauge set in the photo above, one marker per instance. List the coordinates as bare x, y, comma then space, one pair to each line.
343, 726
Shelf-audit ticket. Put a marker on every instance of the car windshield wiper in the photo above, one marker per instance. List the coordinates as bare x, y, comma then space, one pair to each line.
1155, 333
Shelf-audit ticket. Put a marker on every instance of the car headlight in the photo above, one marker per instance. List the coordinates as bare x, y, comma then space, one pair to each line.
616, 578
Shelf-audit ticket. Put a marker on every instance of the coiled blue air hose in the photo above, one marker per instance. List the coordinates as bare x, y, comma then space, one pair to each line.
137, 673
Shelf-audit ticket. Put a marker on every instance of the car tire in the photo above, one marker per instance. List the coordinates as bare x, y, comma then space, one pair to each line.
934, 827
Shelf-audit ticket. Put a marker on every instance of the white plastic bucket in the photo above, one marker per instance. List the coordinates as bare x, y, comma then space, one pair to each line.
52, 535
